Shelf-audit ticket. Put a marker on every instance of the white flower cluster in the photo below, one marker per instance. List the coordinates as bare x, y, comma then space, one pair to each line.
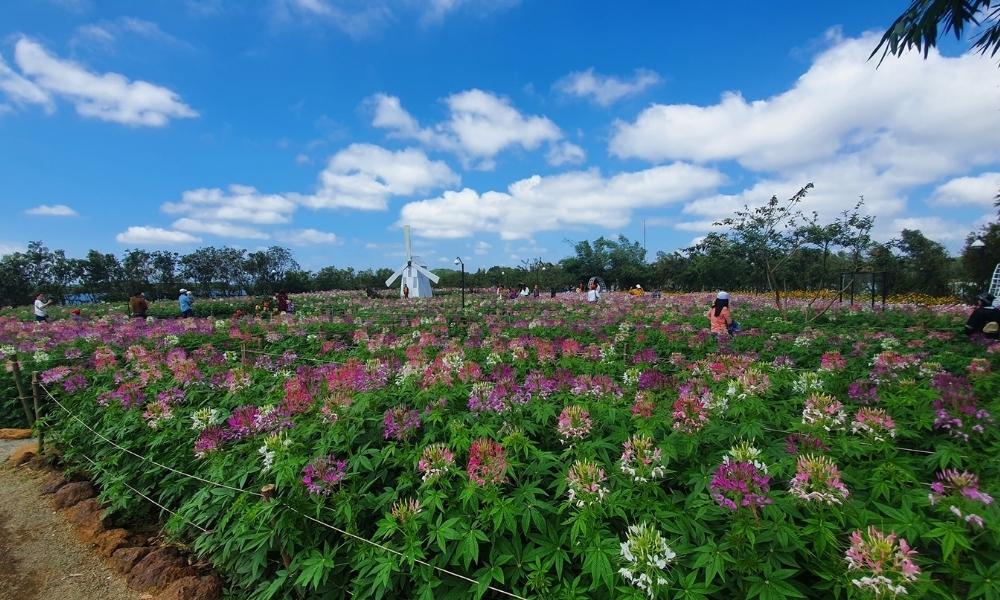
406, 371
744, 452
7, 350
808, 383
494, 359
230, 355
171, 340
206, 417
890, 343
269, 450
607, 352
221, 323
880, 585
454, 361
631, 376
40, 356
646, 555
624, 331
312, 337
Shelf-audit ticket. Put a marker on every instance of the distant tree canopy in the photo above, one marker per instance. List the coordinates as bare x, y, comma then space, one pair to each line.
772, 248
918, 26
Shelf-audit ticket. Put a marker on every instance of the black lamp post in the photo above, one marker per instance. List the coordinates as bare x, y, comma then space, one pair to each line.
459, 261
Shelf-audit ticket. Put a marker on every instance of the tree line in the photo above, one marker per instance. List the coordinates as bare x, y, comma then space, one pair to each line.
775, 247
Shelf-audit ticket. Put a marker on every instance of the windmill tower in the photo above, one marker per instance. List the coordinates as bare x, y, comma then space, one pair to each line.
413, 274
995, 282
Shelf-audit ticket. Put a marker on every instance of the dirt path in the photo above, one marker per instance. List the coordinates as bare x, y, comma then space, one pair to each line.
40, 559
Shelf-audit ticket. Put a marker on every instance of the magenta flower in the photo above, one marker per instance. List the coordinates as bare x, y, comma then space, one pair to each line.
400, 423
323, 474
690, 410
959, 489
737, 485
209, 440
487, 462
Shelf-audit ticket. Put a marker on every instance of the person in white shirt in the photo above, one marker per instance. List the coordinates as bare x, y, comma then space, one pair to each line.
40, 305
593, 294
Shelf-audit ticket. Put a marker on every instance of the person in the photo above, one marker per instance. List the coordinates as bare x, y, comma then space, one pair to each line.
593, 295
536, 290
137, 305
282, 302
40, 305
406, 291
524, 291
719, 317
636, 291
77, 315
983, 314
185, 301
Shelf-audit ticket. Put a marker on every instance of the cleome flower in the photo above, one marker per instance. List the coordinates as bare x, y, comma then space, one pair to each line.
884, 563
323, 474
873, 423
583, 483
824, 411
641, 459
817, 479
435, 461
646, 555
744, 452
487, 462
574, 424
739, 485
405, 511
959, 489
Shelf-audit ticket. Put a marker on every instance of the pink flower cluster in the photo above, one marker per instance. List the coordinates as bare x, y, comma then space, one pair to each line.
400, 423
487, 462
823, 411
832, 361
740, 484
574, 424
583, 483
817, 479
873, 423
690, 409
641, 459
435, 461
956, 409
643, 406
322, 475
884, 562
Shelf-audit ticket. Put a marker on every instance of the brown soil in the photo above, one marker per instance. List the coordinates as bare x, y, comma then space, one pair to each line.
42, 559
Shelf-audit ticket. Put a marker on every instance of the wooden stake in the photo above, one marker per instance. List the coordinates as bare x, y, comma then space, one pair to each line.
21, 394
36, 393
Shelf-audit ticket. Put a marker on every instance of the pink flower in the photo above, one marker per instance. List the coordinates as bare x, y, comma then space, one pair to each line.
817, 479
487, 462
737, 485
884, 562
574, 424
323, 474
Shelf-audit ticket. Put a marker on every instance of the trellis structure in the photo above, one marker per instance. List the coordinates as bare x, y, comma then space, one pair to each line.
849, 279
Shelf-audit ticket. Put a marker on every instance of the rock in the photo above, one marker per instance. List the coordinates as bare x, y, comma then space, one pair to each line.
23, 454
207, 587
71, 493
86, 517
158, 569
15, 434
111, 540
53, 483
123, 559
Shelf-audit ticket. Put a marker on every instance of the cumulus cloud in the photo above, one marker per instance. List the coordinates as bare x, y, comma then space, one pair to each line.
482, 248
940, 230
605, 90
219, 228
154, 236
236, 203
573, 199
108, 96
841, 104
308, 237
365, 176
565, 153
480, 125
980, 190
55, 210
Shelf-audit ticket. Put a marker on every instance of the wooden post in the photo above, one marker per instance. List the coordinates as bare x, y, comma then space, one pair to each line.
21, 394
243, 353
36, 393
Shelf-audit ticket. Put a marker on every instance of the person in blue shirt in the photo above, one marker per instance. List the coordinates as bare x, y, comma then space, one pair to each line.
185, 301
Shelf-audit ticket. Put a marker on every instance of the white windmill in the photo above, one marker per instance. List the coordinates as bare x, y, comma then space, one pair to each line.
415, 275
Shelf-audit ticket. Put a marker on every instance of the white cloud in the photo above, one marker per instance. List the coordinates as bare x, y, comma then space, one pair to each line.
480, 125
605, 90
154, 236
565, 153
11, 247
108, 97
841, 104
356, 18
219, 228
482, 248
237, 203
364, 176
55, 210
980, 190
436, 10
935, 228
573, 199
308, 237
105, 34
302, 159
23, 91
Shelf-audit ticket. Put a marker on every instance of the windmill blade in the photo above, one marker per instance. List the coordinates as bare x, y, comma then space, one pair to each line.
395, 276
434, 278
406, 242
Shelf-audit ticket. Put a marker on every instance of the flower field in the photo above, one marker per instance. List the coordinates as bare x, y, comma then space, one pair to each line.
541, 448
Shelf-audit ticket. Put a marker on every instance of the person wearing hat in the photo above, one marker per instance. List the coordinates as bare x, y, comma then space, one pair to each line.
637, 290
982, 315
185, 301
720, 320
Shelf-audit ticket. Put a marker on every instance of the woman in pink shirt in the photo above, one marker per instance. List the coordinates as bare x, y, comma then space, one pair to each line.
719, 317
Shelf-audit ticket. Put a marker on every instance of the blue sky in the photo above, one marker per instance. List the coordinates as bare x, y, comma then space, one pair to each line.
499, 129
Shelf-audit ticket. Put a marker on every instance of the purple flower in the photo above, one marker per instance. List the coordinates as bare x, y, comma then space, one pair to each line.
400, 423
737, 485
323, 474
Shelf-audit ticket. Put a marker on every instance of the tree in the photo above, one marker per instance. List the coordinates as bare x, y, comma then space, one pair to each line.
927, 263
918, 26
980, 262
771, 235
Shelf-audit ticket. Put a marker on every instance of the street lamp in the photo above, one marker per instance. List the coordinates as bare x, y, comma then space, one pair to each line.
459, 261
978, 244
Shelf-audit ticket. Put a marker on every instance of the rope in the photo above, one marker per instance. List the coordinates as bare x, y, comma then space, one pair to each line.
259, 495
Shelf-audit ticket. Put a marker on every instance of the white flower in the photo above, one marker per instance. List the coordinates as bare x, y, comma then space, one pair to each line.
40, 356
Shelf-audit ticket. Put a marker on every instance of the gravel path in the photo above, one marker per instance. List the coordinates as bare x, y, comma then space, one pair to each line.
40, 559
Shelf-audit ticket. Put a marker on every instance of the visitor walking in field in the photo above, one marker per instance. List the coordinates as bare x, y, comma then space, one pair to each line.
720, 319
137, 305
40, 305
185, 301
